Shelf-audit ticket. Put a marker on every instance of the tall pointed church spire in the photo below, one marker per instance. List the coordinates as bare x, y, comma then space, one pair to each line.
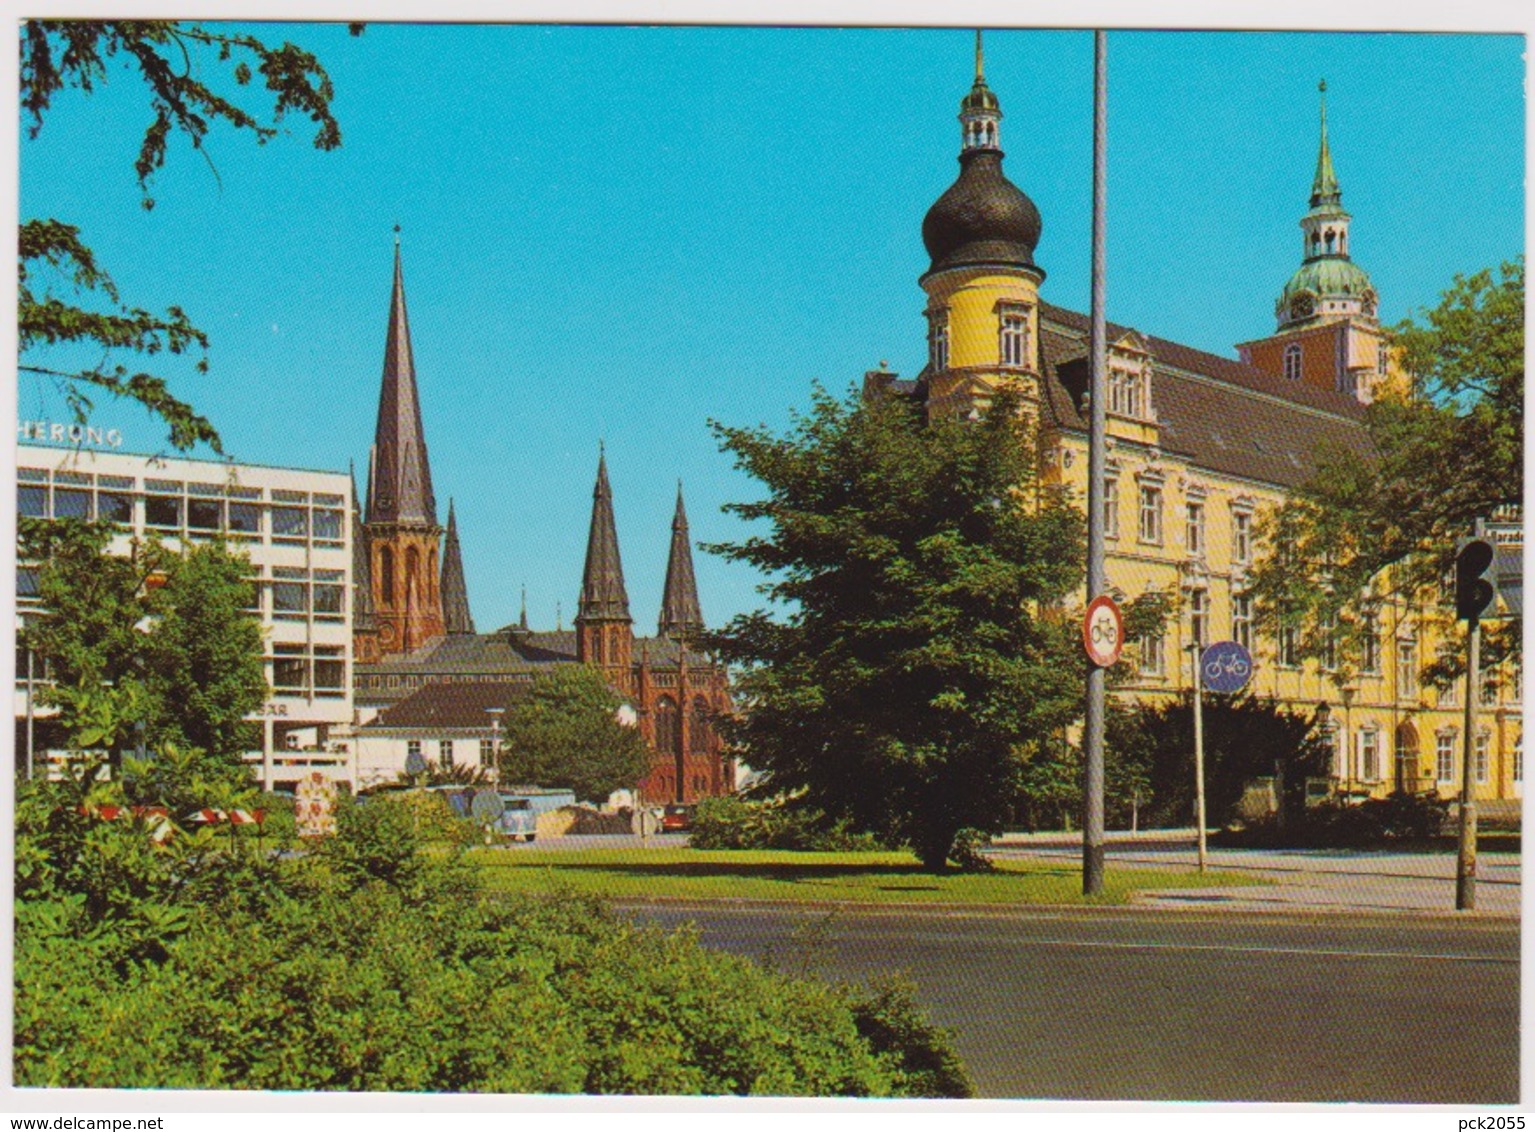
680, 613
603, 597
456, 617
522, 621
980, 114
604, 629
400, 487
1324, 187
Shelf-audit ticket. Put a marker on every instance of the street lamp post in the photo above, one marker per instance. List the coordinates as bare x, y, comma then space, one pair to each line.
495, 714
1347, 692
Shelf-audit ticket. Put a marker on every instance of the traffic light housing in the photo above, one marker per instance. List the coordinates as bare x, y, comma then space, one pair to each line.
1473, 593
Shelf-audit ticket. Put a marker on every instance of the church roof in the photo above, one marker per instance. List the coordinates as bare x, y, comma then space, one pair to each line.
603, 597
1218, 414
680, 612
399, 475
456, 617
450, 705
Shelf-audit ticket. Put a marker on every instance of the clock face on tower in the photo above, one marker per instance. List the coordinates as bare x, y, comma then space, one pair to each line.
1301, 306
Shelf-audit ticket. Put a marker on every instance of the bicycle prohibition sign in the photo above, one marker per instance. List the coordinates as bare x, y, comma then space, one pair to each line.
1103, 631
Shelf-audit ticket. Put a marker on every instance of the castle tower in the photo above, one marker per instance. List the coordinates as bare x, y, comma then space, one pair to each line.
604, 629
455, 594
1328, 332
681, 617
982, 284
401, 525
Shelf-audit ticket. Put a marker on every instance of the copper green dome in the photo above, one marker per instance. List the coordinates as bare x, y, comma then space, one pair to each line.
982, 220
1327, 277
980, 98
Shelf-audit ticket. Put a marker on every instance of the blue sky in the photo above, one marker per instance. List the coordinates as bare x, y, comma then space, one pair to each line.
617, 233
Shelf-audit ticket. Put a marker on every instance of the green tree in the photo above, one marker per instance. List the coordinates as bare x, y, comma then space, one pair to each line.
157, 638
1381, 521
565, 732
1244, 738
918, 657
55, 332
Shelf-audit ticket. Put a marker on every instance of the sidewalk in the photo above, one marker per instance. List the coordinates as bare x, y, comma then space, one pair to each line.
1317, 880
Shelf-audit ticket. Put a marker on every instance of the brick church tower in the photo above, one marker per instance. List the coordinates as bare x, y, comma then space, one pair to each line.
400, 528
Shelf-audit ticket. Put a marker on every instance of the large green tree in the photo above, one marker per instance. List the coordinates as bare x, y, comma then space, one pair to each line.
565, 732
73, 327
916, 659
156, 638
1380, 521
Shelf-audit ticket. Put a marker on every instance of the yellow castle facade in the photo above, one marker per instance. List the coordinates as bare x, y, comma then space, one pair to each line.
1200, 448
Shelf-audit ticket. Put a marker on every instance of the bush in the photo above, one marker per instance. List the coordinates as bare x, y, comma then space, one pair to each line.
733, 822
969, 850
370, 964
1399, 819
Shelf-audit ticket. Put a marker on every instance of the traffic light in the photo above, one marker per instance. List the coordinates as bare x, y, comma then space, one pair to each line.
1473, 593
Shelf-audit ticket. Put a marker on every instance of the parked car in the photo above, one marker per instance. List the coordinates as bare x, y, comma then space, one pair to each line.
676, 819
519, 819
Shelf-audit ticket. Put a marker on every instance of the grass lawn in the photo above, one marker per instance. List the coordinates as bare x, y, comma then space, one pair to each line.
871, 878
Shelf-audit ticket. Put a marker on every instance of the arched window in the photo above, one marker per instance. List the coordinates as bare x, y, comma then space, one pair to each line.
386, 574
666, 725
412, 574
699, 731
1292, 361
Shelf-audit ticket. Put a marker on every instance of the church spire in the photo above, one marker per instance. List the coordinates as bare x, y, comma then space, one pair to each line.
400, 478
980, 113
680, 613
522, 621
1324, 187
456, 617
604, 629
603, 597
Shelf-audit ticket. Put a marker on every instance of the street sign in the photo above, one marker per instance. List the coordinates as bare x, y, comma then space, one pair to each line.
1103, 631
487, 807
1225, 667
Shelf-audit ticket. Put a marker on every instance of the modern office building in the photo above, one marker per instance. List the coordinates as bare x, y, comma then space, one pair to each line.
292, 523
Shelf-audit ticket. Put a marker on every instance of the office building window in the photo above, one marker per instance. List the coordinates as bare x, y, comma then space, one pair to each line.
1199, 616
1407, 669
1195, 532
244, 519
1241, 536
1369, 755
1151, 515
938, 341
290, 669
328, 592
289, 524
1289, 647
32, 502
1369, 645
1242, 620
1444, 756
329, 670
162, 511
1014, 345
290, 595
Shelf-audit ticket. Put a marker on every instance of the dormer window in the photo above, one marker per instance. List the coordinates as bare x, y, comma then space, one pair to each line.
1128, 396
1292, 361
938, 341
1013, 336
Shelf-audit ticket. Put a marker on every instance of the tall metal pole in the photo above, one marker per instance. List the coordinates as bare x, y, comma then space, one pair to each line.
1092, 783
1199, 754
1465, 862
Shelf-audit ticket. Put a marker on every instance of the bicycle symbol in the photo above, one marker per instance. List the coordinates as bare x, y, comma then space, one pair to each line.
1104, 631
1231, 665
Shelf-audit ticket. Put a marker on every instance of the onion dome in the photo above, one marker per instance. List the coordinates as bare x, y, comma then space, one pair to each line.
983, 219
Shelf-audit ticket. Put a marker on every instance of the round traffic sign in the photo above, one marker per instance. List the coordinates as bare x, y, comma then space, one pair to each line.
1225, 667
1103, 631
415, 763
487, 806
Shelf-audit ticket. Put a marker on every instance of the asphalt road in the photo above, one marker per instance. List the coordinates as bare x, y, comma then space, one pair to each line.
1151, 1004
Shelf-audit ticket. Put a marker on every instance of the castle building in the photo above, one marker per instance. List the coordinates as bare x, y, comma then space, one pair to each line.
417, 650
1199, 447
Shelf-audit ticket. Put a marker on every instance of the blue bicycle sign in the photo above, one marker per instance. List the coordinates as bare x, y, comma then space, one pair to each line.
1225, 667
